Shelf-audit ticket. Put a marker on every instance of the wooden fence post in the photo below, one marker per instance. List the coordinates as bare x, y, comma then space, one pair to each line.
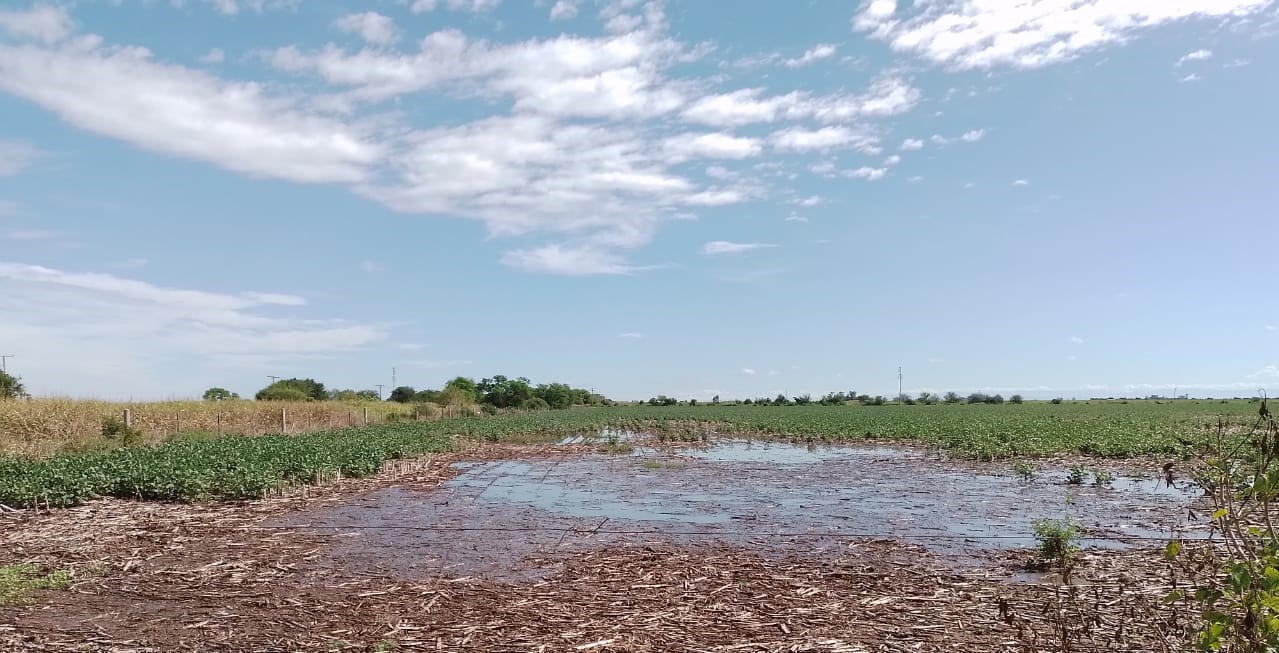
284, 420
219, 422
177, 422
128, 418
366, 415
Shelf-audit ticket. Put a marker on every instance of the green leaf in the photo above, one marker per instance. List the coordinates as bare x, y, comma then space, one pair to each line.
1173, 549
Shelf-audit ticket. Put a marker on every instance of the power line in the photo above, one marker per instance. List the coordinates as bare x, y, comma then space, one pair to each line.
4, 362
379, 390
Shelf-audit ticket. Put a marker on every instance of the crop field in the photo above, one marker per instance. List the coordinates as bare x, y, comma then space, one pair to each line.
627, 528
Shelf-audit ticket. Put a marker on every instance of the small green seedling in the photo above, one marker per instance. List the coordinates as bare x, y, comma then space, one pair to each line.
1102, 477
1057, 542
1077, 475
1024, 470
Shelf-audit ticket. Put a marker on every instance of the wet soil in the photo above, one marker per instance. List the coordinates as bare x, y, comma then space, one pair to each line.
681, 554
775, 498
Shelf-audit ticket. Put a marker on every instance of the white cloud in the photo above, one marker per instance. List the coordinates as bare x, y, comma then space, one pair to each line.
916, 179
981, 34
1077, 340
1197, 55
886, 96
1192, 77
795, 218
216, 55
124, 94
711, 146
814, 54
412, 346
1237, 63
1021, 182
970, 185
811, 200
972, 136
16, 157
133, 263
892, 160
866, 172
232, 7
569, 260
564, 9
371, 26
31, 234
748, 371
631, 335
801, 139
912, 144
477, 6
62, 318
1267, 373
46, 23
715, 247
1270, 327
371, 267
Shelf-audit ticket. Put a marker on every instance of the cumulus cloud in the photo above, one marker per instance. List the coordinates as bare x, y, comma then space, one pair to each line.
1021, 182
216, 55
1077, 340
912, 144
811, 200
43, 22
814, 54
371, 26
715, 145
716, 247
1197, 55
563, 10
979, 34
61, 317
802, 139
476, 6
748, 371
631, 335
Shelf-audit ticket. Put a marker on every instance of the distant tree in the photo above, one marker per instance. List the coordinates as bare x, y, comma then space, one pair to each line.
11, 387
833, 399
781, 400
997, 399
505, 393
1057, 400
1016, 399
558, 396
428, 396
927, 398
535, 403
906, 399
282, 393
803, 400
468, 389
308, 388
978, 398
692, 402
662, 400
353, 395
951, 398
403, 394
877, 400
715, 400
748, 402
219, 394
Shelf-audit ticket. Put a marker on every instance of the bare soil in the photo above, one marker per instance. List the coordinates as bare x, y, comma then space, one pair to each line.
430, 556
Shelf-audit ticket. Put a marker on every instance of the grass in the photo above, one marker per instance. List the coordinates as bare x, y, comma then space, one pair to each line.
17, 580
204, 466
43, 427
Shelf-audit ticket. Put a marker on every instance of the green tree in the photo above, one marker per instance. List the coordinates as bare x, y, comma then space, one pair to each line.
353, 395
951, 398
781, 400
1016, 399
425, 396
11, 387
465, 389
535, 403
505, 393
403, 394
219, 394
307, 388
556, 395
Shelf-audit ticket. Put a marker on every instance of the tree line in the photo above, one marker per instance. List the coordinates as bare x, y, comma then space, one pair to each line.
496, 391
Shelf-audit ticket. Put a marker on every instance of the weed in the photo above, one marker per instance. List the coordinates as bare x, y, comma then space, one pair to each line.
1077, 475
1057, 542
1024, 470
1102, 477
17, 580
114, 430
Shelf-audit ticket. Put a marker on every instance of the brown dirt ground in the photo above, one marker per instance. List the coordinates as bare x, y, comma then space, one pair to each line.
166, 577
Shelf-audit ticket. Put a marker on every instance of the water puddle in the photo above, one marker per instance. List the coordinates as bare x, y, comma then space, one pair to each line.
768, 495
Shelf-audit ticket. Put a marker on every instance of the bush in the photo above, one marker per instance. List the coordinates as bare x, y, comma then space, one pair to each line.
535, 403
114, 430
1057, 541
1056, 400
11, 387
219, 394
282, 393
1016, 399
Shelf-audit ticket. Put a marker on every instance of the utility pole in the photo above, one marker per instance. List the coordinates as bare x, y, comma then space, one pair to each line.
899, 381
393, 378
379, 390
4, 362
273, 378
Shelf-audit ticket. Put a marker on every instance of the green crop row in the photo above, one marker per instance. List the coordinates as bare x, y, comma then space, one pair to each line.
241, 467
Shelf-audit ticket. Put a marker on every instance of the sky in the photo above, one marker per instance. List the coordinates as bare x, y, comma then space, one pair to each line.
1051, 197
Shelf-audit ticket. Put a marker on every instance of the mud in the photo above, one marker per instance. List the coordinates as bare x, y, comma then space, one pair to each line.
774, 498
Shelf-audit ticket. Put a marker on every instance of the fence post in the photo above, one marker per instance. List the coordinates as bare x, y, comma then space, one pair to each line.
366, 415
128, 418
219, 422
177, 422
350, 421
284, 420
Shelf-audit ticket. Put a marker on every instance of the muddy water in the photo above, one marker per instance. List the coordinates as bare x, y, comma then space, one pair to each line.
766, 495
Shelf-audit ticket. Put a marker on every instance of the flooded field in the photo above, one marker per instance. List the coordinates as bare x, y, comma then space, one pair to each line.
771, 497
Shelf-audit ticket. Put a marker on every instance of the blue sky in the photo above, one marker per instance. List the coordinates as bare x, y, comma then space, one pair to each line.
1057, 197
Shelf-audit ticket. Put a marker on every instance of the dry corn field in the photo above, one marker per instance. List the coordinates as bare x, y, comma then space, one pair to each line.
42, 427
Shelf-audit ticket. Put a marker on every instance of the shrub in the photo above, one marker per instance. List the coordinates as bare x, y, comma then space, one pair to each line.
282, 393
114, 430
535, 403
1056, 400
1056, 540
1016, 399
